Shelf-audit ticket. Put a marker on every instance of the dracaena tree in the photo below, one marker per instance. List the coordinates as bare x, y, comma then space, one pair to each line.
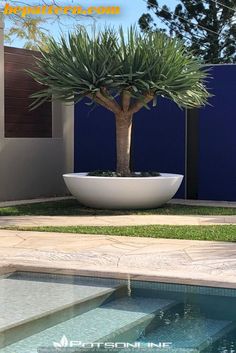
121, 72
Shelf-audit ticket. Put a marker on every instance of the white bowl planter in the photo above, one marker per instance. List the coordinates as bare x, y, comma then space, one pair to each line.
123, 193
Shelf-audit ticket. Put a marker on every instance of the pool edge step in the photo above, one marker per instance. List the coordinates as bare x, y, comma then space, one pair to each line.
112, 319
183, 327
35, 324
146, 323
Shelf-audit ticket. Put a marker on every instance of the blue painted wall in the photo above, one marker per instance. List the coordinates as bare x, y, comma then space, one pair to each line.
217, 155
158, 139
94, 139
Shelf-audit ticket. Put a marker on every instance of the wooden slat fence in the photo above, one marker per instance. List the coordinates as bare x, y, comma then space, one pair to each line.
19, 121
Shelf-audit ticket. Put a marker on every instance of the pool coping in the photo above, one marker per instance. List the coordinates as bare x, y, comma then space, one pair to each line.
119, 275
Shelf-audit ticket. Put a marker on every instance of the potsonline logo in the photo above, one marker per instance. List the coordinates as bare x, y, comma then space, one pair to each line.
62, 344
66, 345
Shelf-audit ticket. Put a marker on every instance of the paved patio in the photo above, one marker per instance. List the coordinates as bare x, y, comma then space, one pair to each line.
184, 261
124, 220
169, 260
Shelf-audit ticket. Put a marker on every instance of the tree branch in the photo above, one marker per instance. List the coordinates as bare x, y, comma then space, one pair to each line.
98, 101
110, 103
140, 104
107, 103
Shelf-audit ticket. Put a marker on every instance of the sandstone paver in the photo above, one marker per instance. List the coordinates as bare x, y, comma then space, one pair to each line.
124, 220
171, 260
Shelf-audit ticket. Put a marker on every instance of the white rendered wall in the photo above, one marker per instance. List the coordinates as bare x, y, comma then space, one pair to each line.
33, 167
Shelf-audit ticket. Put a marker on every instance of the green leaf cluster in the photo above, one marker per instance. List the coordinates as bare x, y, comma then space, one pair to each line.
110, 62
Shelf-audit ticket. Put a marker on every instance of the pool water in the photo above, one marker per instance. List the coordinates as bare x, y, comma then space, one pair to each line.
56, 313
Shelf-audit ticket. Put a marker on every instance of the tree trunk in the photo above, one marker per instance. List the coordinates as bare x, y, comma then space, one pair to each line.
123, 143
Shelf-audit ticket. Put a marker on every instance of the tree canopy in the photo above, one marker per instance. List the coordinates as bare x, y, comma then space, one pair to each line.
122, 72
29, 30
208, 27
108, 64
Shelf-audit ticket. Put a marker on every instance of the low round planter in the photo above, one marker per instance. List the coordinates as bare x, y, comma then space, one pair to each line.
122, 193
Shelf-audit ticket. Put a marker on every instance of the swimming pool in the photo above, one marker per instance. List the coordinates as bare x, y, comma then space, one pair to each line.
51, 313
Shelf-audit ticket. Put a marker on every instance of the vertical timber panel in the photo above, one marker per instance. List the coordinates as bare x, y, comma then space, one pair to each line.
192, 153
19, 120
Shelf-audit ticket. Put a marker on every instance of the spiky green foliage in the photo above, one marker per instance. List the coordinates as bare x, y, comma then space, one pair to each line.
108, 64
